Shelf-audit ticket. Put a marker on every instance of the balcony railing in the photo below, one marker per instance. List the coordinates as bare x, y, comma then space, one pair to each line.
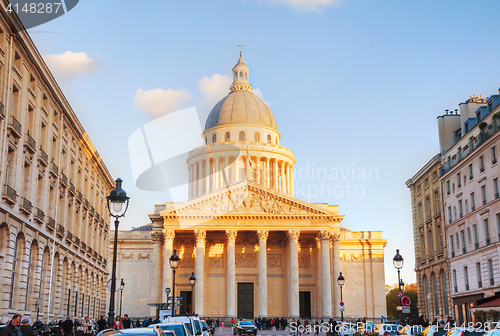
453, 254
92, 210
488, 241
51, 223
60, 229
473, 208
464, 250
10, 193
79, 196
466, 286
97, 217
15, 126
39, 214
100, 258
85, 203
2, 110
83, 246
106, 227
77, 241
476, 246
64, 179
44, 158
30, 142
102, 224
104, 261
69, 236
54, 169
89, 249
72, 188
95, 255
26, 204
480, 284
492, 281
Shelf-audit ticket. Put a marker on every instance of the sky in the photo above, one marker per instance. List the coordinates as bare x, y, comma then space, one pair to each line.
355, 86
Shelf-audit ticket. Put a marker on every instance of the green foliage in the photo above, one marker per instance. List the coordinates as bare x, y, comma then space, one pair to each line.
496, 115
482, 125
393, 301
480, 314
492, 315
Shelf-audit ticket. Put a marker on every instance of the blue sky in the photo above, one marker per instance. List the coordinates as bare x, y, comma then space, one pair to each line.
352, 84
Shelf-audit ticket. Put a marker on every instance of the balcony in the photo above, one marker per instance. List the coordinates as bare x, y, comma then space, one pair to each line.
25, 205
106, 227
79, 197
30, 143
100, 258
104, 261
43, 158
97, 217
94, 255
54, 170
63, 180
102, 224
488, 241
476, 246
471, 177
484, 202
72, 189
494, 161
89, 250
51, 224
83, 246
9, 195
497, 195
60, 230
481, 169
39, 216
77, 242
15, 127
69, 237
2, 111
86, 204
492, 282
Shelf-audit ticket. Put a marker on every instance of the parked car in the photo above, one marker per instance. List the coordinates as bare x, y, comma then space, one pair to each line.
384, 329
347, 329
244, 327
179, 327
155, 331
459, 331
204, 328
192, 323
493, 332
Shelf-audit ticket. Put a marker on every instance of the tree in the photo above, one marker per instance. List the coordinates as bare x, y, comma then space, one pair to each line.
393, 301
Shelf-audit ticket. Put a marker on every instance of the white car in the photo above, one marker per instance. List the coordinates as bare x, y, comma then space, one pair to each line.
192, 323
204, 328
347, 329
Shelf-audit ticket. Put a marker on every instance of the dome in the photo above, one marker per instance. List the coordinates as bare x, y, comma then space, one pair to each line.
241, 107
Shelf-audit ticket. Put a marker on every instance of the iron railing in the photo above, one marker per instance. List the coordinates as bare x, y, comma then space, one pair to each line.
69, 236
79, 196
10, 192
51, 223
39, 213
60, 229
54, 168
85, 203
26, 204
16, 125
72, 188
44, 156
64, 179
31, 142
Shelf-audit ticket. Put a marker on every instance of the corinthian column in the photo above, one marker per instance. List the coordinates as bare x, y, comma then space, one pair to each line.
168, 243
263, 235
157, 266
324, 237
293, 291
200, 271
336, 272
231, 271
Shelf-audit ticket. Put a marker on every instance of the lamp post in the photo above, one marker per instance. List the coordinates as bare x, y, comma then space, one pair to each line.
122, 284
341, 282
398, 264
174, 263
117, 206
192, 282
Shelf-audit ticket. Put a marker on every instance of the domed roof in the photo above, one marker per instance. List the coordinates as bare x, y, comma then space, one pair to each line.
241, 107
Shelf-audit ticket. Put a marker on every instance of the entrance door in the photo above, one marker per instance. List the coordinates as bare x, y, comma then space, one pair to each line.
245, 300
186, 305
305, 304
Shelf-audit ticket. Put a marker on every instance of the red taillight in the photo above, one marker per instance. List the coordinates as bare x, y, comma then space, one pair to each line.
462, 333
386, 334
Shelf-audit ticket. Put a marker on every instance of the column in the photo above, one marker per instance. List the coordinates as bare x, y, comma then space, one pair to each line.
263, 235
200, 271
287, 173
336, 272
266, 172
293, 291
283, 177
190, 186
216, 174
275, 175
237, 168
324, 237
200, 178
168, 244
258, 173
207, 176
292, 180
231, 271
226, 172
156, 279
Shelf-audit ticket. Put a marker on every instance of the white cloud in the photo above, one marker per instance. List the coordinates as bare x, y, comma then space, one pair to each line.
259, 94
157, 102
71, 65
214, 88
310, 5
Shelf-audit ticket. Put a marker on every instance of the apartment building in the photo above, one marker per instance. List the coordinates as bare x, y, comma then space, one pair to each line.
431, 265
53, 215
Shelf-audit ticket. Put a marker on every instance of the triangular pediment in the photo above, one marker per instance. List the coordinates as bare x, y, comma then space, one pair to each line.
247, 199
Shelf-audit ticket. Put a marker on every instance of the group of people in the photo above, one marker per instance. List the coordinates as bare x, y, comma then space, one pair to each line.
424, 322
268, 323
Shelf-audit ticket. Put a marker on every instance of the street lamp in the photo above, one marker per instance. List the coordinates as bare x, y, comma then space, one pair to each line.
122, 284
192, 282
398, 264
117, 206
174, 264
341, 282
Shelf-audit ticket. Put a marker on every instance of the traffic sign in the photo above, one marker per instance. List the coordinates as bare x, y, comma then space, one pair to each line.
342, 309
399, 308
178, 298
406, 310
405, 300
342, 303
400, 294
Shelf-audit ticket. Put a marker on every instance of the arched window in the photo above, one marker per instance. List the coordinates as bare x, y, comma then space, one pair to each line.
206, 141
214, 138
427, 295
242, 136
235, 76
226, 137
445, 293
436, 295
257, 137
16, 266
269, 138
246, 76
241, 74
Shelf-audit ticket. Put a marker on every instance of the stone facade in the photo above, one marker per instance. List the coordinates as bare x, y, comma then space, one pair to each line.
53, 219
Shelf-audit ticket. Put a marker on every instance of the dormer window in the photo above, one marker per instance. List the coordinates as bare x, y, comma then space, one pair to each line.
268, 138
214, 138
226, 137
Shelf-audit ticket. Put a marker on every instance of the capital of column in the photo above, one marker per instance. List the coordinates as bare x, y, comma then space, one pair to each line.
201, 236
231, 235
157, 236
293, 235
263, 235
168, 234
335, 236
324, 235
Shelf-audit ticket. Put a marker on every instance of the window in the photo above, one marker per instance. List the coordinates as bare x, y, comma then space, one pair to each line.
242, 136
476, 241
487, 231
428, 207
449, 214
256, 137
206, 141
479, 279
421, 213
497, 216
452, 245
426, 182
472, 202
483, 194
448, 187
495, 187
490, 271
466, 278
436, 197
431, 243
214, 138
471, 175
469, 239
436, 295
481, 164
459, 180
268, 138
438, 228
466, 207
435, 175
445, 293
227, 137
460, 208
418, 189
455, 280
462, 234
423, 245
493, 155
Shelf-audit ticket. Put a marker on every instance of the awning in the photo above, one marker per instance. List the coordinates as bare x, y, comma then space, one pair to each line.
492, 302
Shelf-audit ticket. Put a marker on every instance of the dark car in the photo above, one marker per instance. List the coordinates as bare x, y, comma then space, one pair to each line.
245, 327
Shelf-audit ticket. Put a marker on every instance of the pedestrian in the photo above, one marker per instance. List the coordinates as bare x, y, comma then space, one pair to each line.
232, 322
118, 323
25, 327
126, 322
157, 320
138, 323
86, 326
217, 322
68, 326
101, 324
12, 328
146, 322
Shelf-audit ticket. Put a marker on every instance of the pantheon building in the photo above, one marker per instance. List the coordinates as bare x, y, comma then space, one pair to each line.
255, 249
